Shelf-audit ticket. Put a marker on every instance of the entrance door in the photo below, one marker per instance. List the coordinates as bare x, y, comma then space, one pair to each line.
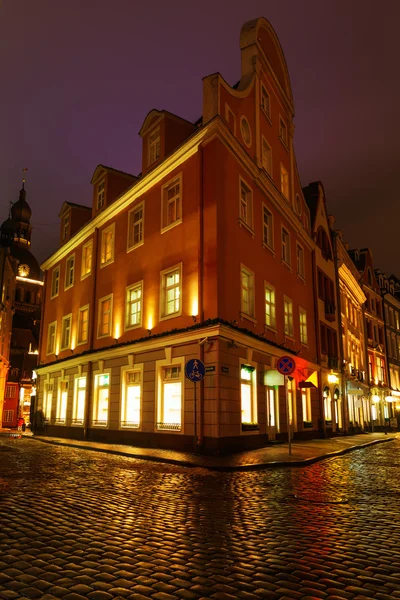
270, 396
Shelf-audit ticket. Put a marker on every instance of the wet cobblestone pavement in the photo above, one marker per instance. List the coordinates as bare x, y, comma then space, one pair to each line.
78, 524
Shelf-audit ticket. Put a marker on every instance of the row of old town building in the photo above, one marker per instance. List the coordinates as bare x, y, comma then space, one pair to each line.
216, 253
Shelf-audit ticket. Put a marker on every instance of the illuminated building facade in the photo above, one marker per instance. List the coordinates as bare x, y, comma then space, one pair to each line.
7, 284
208, 254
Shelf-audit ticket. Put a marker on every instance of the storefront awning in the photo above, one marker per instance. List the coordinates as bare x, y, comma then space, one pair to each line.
310, 382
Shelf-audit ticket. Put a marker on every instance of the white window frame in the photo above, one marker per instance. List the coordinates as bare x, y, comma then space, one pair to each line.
286, 247
270, 312
249, 310
245, 204
76, 421
55, 282
300, 263
51, 349
132, 224
248, 380
69, 272
288, 317
96, 422
61, 409
283, 131
47, 402
85, 248
269, 227
100, 194
80, 341
303, 326
154, 145
66, 226
284, 181
266, 158
177, 200
264, 93
100, 314
306, 405
163, 292
135, 286
66, 319
124, 389
103, 255
229, 113
161, 365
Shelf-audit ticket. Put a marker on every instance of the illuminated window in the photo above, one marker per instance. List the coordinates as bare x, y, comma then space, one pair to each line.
101, 400
288, 312
284, 182
105, 316
62, 401
78, 407
51, 338
268, 230
248, 394
303, 326
101, 188
107, 246
306, 404
171, 203
135, 226
327, 404
55, 282
83, 324
247, 298
69, 272
283, 134
131, 395
171, 288
266, 156
47, 399
66, 332
133, 317
265, 101
87, 252
300, 261
270, 320
154, 145
246, 205
170, 399
65, 227
286, 247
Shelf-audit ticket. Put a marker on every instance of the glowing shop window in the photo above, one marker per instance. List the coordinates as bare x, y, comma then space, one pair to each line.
171, 401
327, 405
246, 389
47, 400
271, 397
306, 404
62, 402
100, 413
374, 413
78, 411
130, 416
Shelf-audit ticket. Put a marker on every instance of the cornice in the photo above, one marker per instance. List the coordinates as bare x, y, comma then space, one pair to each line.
349, 280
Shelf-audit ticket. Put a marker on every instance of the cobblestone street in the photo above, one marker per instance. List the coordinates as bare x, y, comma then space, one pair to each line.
78, 524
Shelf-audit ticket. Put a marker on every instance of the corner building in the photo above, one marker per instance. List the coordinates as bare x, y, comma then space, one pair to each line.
208, 255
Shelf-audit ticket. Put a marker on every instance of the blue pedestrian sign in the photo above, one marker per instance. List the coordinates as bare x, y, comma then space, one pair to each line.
286, 365
195, 369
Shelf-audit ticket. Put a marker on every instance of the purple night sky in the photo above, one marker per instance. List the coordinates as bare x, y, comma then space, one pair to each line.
79, 77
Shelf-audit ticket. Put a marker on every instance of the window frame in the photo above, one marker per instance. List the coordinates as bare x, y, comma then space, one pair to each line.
289, 315
163, 315
303, 326
137, 285
80, 342
135, 209
86, 246
272, 304
165, 202
249, 204
65, 319
283, 131
100, 314
61, 419
288, 246
68, 270
95, 406
53, 350
124, 388
66, 226
269, 161
161, 366
109, 228
75, 421
251, 292
284, 182
153, 144
251, 381
265, 209
263, 93
300, 262
100, 193
55, 279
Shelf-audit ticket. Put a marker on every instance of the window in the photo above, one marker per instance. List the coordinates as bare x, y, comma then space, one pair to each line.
246, 204
66, 332
266, 156
270, 319
55, 282
300, 260
170, 400
8, 416
105, 316
100, 194
265, 101
133, 315
288, 312
47, 399
135, 226
69, 272
285, 247
268, 239
247, 283
131, 395
65, 232
283, 135
306, 404
248, 386
154, 145
62, 401
284, 182
87, 252
83, 324
78, 407
171, 203
245, 131
101, 400
107, 246
171, 287
303, 326
230, 118
51, 337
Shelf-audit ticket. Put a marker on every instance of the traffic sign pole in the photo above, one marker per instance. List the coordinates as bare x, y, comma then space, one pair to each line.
195, 371
195, 418
288, 416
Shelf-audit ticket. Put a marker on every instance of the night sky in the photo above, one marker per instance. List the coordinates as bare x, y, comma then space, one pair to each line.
78, 78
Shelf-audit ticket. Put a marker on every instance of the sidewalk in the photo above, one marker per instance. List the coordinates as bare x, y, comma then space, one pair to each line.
271, 456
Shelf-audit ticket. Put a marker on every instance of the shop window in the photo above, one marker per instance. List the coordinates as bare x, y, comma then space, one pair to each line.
248, 386
101, 400
131, 399
62, 401
78, 408
170, 398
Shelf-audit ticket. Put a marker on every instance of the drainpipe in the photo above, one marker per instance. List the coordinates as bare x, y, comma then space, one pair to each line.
317, 335
340, 331
200, 438
92, 311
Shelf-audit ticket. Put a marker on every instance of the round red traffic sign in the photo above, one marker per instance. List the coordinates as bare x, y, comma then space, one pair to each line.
286, 365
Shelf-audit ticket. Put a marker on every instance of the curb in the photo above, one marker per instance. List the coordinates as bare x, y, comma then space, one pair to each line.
221, 468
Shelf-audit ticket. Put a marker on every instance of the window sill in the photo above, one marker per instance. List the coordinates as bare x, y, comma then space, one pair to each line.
305, 345
284, 144
172, 316
110, 262
246, 226
301, 277
250, 427
86, 275
267, 247
266, 115
68, 287
287, 265
169, 427
270, 329
247, 317
171, 226
132, 327
290, 338
130, 248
